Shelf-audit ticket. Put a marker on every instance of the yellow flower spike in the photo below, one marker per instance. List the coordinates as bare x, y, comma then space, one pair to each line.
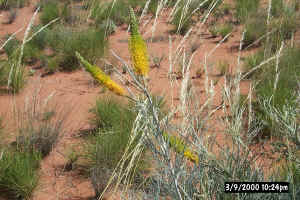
180, 147
137, 48
192, 156
101, 77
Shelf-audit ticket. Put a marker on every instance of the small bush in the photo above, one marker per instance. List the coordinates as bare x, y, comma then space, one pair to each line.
114, 122
18, 173
182, 23
17, 74
8, 4
283, 95
225, 29
244, 9
115, 11
253, 61
50, 12
276, 7
11, 45
39, 40
4, 72
65, 42
255, 27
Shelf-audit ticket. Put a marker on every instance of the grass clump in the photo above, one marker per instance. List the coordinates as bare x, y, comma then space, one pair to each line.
90, 43
18, 173
113, 122
116, 11
8, 4
245, 9
50, 11
278, 87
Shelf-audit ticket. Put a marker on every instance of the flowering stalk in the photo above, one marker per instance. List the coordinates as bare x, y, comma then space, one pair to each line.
137, 48
180, 147
101, 77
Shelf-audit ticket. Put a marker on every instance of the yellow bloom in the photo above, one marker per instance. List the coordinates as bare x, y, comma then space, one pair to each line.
137, 48
192, 156
101, 77
180, 147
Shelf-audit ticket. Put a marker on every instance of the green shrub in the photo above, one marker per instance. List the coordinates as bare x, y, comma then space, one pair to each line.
106, 146
244, 9
276, 7
182, 23
117, 12
18, 173
8, 4
4, 72
255, 27
40, 39
17, 73
11, 45
252, 61
284, 95
50, 12
225, 29
65, 42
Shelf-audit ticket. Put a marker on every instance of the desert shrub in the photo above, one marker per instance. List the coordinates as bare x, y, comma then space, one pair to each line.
255, 27
182, 22
116, 11
113, 122
65, 42
284, 94
40, 39
276, 7
50, 11
244, 9
287, 24
18, 173
224, 29
11, 45
252, 61
17, 74
4, 72
8, 4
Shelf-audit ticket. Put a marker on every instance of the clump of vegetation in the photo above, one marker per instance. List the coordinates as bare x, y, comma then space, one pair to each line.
182, 21
255, 27
245, 9
279, 86
65, 42
8, 4
50, 11
19, 173
116, 11
113, 122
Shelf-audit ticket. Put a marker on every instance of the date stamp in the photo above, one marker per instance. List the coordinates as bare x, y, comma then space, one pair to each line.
256, 187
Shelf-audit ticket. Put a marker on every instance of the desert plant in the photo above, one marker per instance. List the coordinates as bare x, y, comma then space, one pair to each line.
225, 29
18, 176
11, 45
114, 123
182, 21
244, 9
4, 72
223, 67
50, 12
255, 27
17, 74
90, 43
8, 4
